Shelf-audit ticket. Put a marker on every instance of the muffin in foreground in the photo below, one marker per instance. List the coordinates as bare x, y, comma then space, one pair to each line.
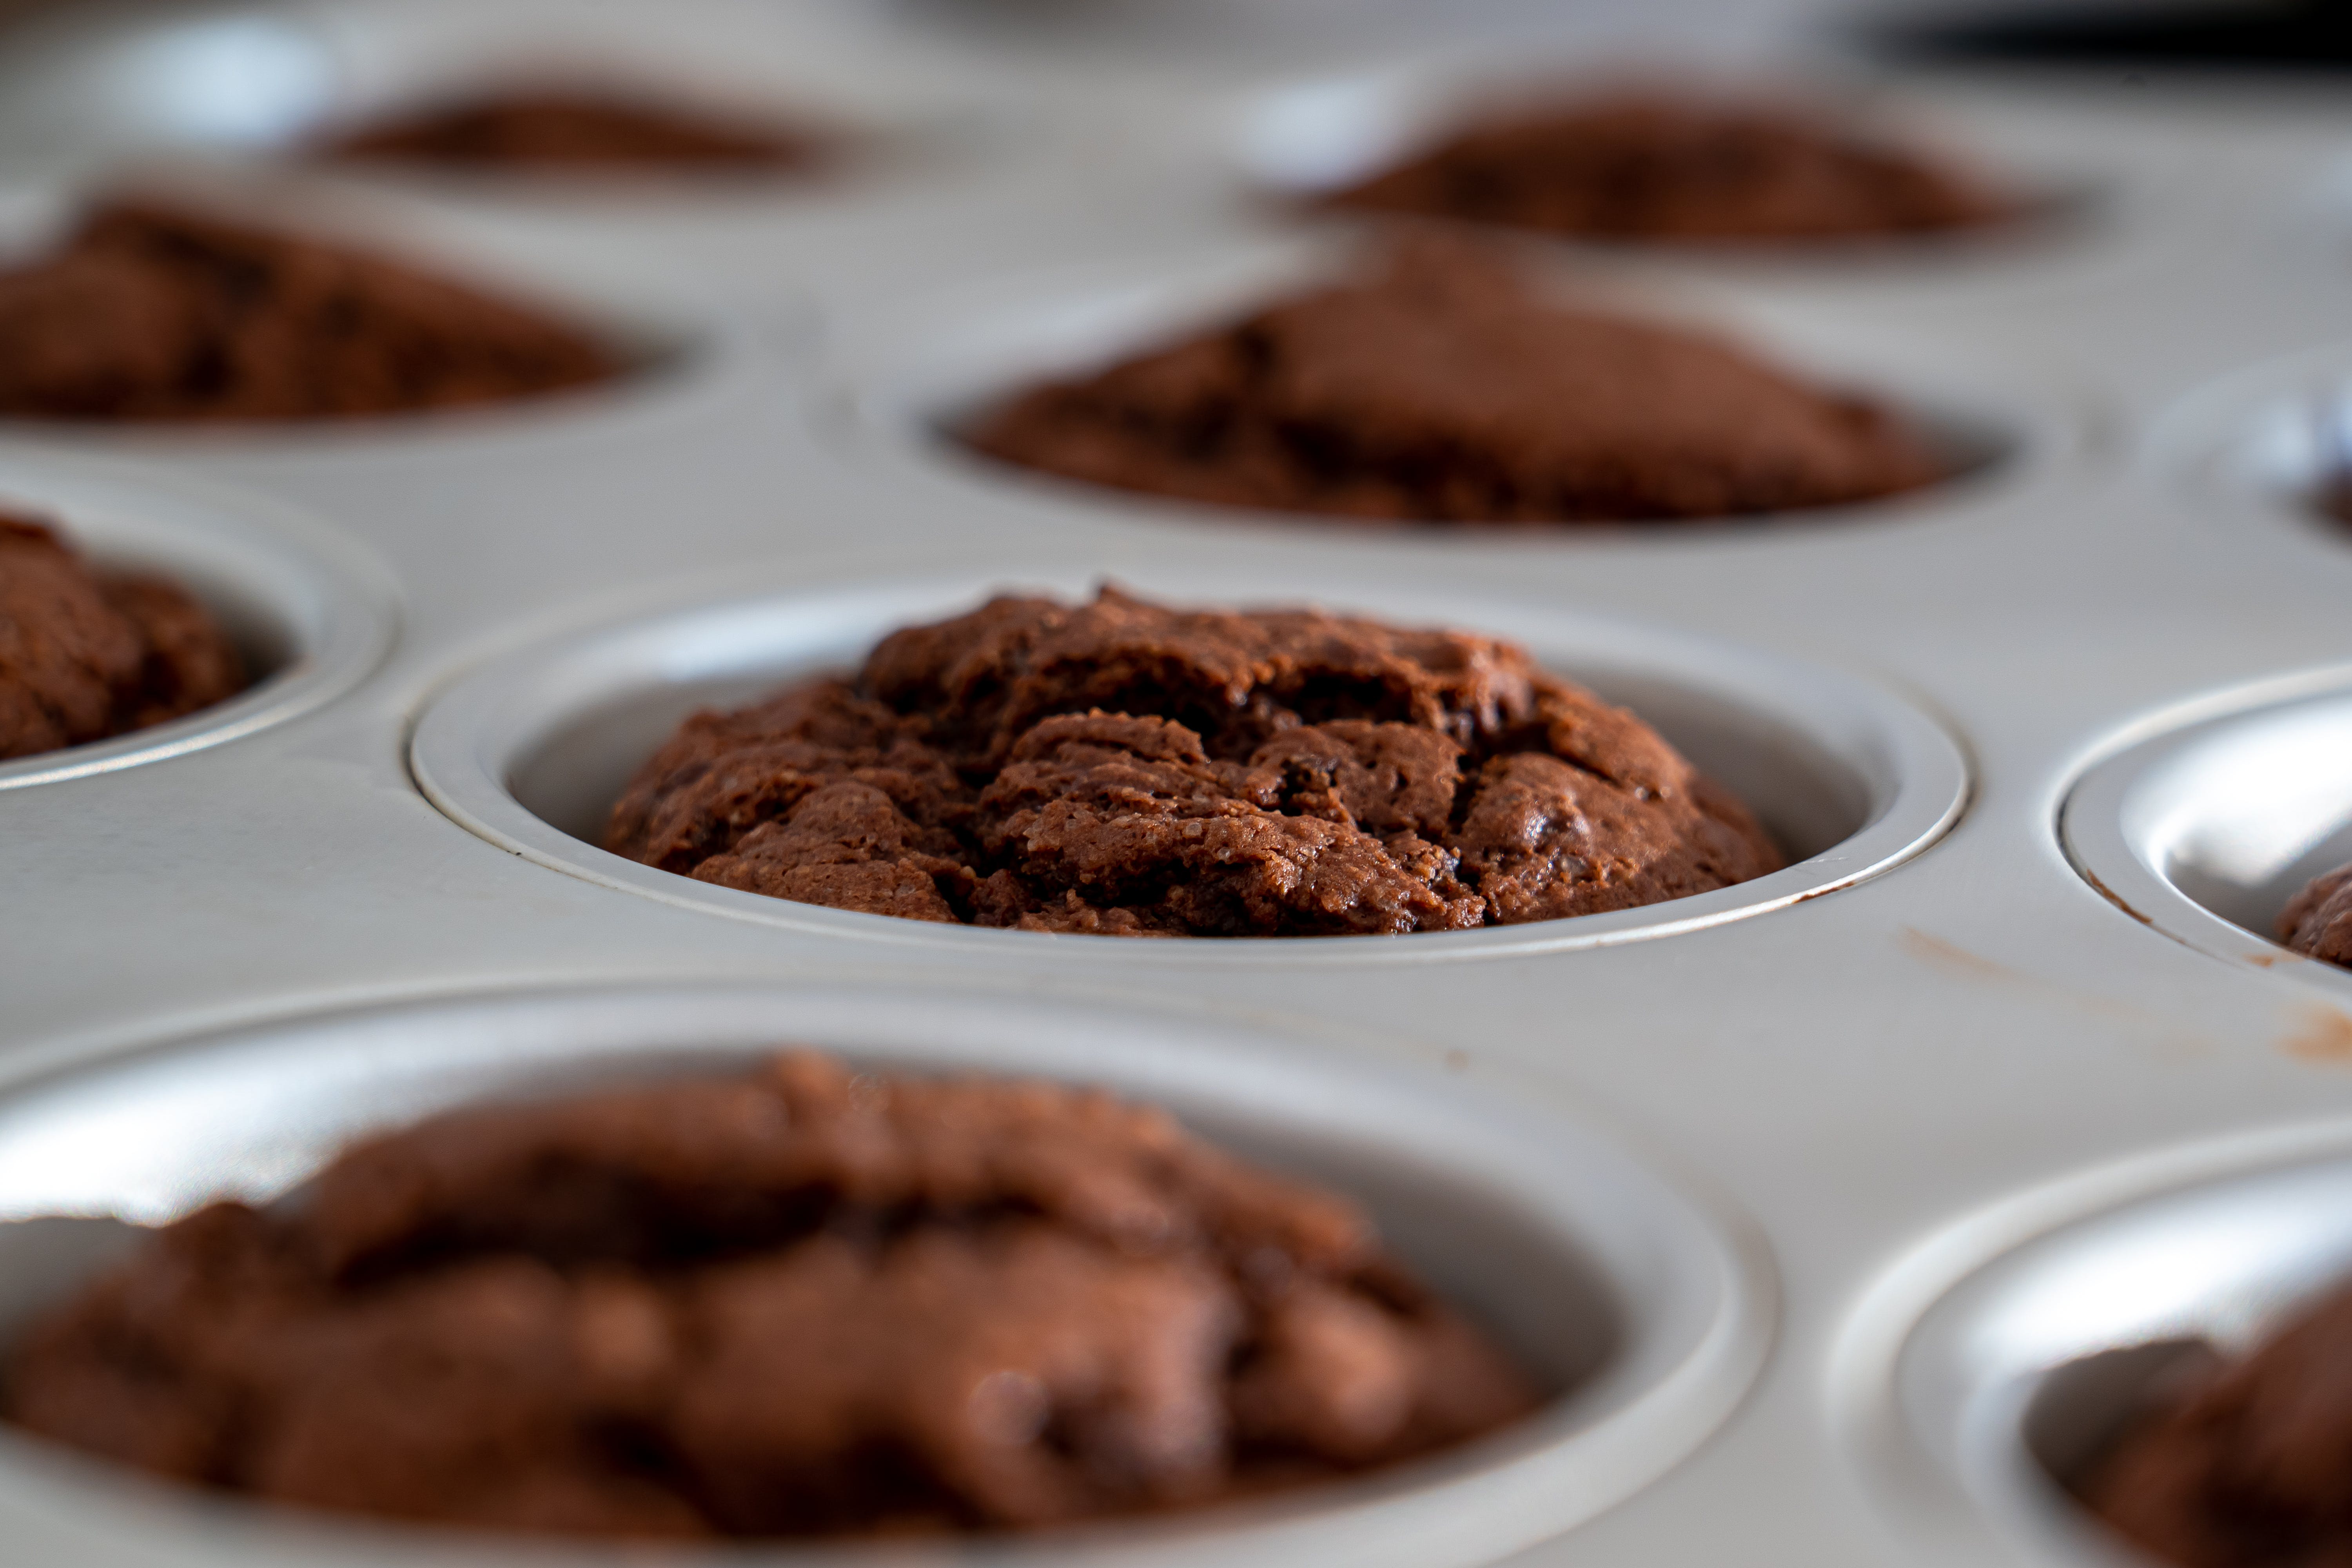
548, 130
802, 1301
85, 654
151, 311
2318, 921
1441, 388
2244, 1470
1126, 768
1661, 167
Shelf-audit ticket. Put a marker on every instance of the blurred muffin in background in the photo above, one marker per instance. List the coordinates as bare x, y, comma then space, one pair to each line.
153, 312
1440, 386
579, 130
1657, 166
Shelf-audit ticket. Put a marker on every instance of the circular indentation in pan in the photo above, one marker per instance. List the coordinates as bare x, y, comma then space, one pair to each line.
2208, 826
1990, 1367
914, 385
312, 612
1648, 1311
531, 752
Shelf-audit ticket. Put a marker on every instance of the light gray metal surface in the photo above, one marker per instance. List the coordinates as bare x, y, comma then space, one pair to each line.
1890, 1088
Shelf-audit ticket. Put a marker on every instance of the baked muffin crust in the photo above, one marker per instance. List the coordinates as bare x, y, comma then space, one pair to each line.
1441, 388
1126, 768
802, 1301
86, 655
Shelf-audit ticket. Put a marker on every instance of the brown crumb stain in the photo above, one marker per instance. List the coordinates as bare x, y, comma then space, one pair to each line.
2325, 1037
2109, 894
1954, 959
1951, 956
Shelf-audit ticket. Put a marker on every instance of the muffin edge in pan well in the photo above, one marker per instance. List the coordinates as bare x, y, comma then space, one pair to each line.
2204, 820
1989, 1367
311, 611
1545, 1231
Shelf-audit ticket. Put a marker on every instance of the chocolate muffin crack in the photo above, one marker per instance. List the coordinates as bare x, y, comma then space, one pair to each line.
1126, 768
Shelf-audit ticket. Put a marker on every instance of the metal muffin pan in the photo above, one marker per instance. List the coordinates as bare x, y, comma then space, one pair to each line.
2206, 828
1894, 1086
2017, 1377
1647, 1309
532, 753
312, 612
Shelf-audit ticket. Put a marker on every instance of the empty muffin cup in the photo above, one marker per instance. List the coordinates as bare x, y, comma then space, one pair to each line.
1643, 1314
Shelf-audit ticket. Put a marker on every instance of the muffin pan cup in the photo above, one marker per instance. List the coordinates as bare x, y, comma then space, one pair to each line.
1645, 1310
898, 393
312, 612
532, 752
1981, 1411
2206, 828
1926, 1097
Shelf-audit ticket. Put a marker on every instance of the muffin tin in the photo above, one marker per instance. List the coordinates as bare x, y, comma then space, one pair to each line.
1871, 1164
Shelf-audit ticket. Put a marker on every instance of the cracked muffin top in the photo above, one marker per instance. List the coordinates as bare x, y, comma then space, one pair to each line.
1127, 768
1666, 168
1441, 385
86, 655
151, 311
800, 1301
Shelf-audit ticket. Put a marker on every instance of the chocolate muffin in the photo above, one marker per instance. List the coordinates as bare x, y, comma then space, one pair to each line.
549, 130
2246, 1469
1124, 768
798, 1303
2318, 921
1663, 168
86, 655
2332, 498
150, 312
1442, 388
